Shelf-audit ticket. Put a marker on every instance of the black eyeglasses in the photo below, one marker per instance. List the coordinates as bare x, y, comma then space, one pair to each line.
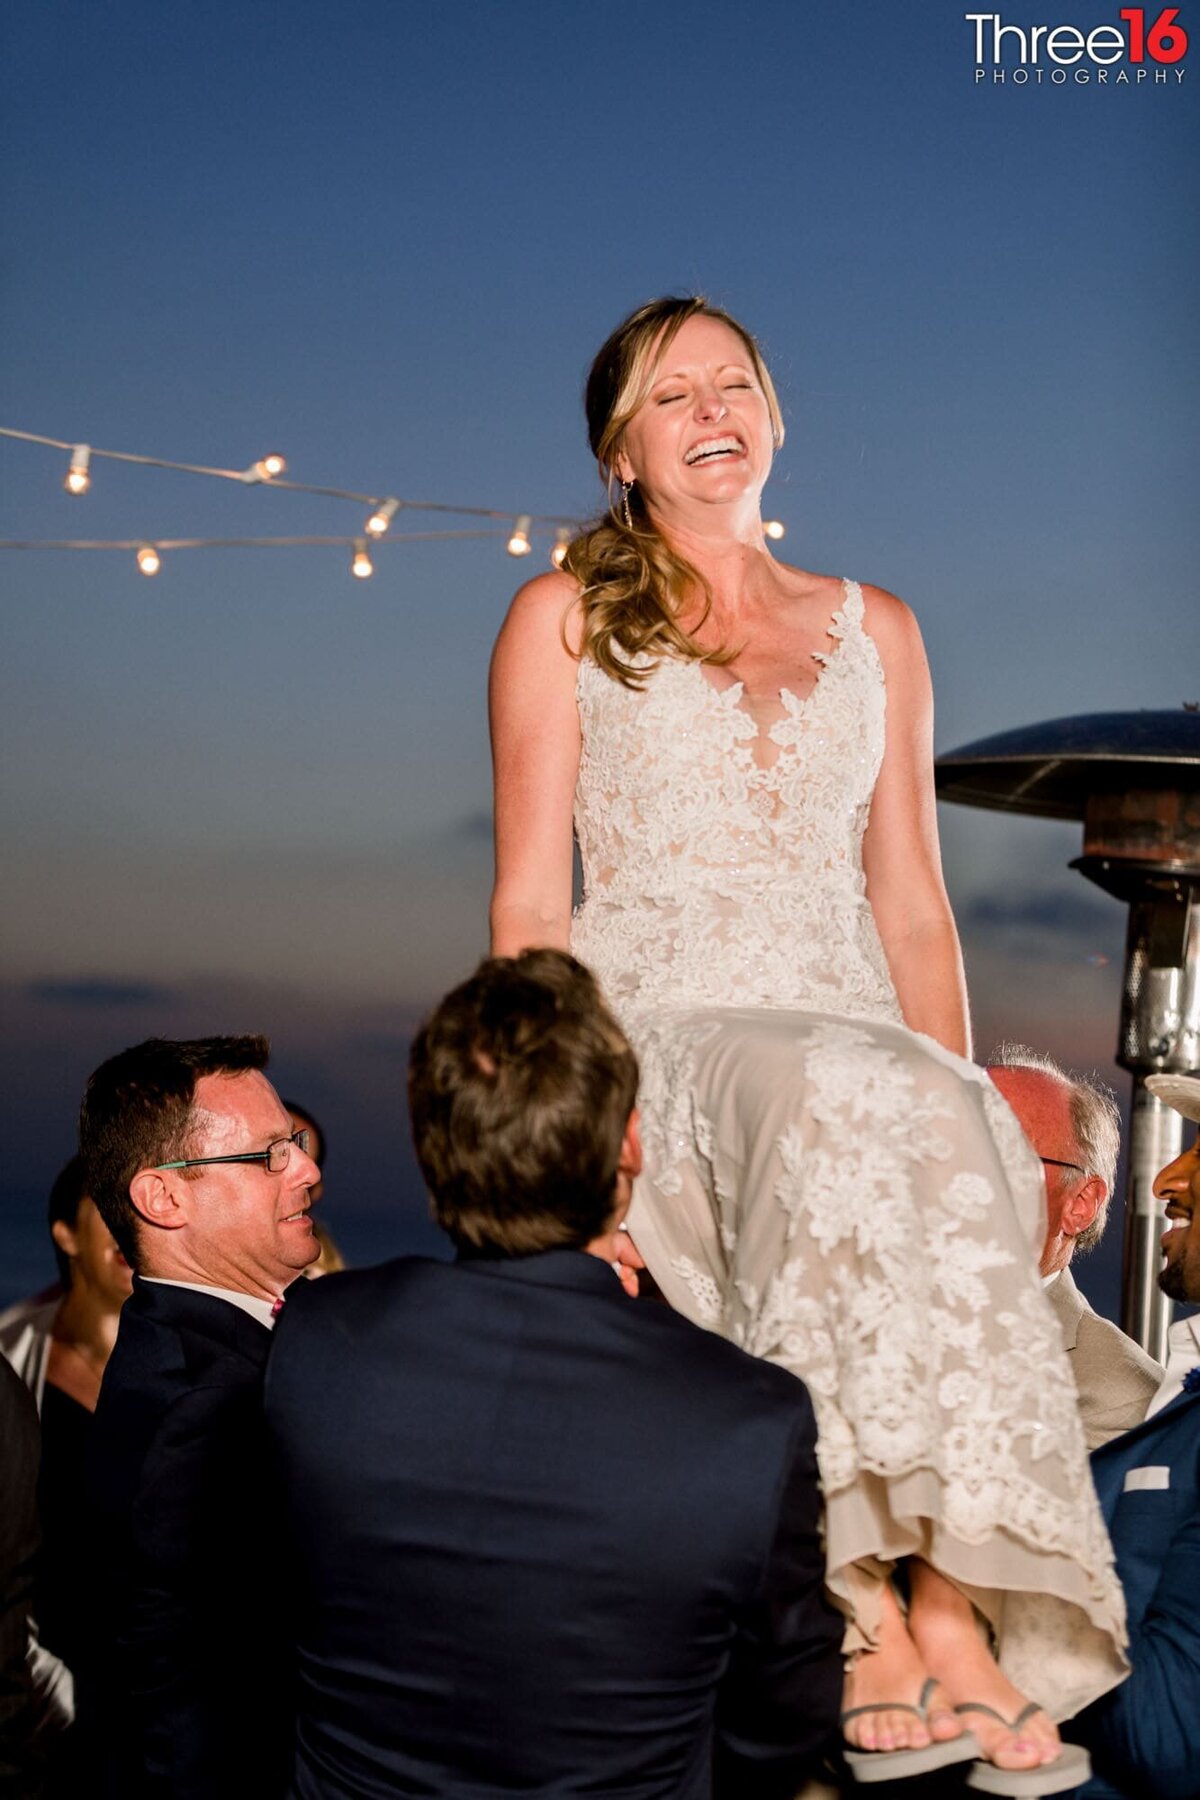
1056, 1162
274, 1158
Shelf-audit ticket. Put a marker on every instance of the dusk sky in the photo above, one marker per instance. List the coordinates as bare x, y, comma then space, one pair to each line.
252, 793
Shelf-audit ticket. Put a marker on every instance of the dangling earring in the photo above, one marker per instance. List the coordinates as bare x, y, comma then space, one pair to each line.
625, 488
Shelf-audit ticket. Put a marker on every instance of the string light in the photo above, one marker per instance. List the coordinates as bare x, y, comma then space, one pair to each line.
775, 528
382, 517
362, 566
269, 470
518, 543
148, 560
78, 480
562, 538
266, 468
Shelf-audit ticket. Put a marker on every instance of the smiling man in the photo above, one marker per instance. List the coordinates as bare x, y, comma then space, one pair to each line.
1143, 1735
195, 1166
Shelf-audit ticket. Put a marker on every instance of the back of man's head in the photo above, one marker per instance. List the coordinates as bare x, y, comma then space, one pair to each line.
520, 1087
137, 1113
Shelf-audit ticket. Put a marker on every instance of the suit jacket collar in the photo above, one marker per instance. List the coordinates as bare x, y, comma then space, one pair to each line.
206, 1315
1069, 1304
574, 1269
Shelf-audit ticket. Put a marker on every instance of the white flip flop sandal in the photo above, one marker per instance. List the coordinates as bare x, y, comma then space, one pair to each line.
1070, 1768
901, 1765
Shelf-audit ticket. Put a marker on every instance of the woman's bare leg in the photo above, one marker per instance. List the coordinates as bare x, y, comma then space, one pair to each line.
894, 1670
946, 1634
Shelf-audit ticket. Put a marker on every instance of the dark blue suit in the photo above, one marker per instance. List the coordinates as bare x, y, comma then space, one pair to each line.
193, 1700
1145, 1735
551, 1541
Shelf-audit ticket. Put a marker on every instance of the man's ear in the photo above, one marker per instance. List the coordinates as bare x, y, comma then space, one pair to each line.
64, 1236
630, 1160
158, 1201
1080, 1210
629, 1167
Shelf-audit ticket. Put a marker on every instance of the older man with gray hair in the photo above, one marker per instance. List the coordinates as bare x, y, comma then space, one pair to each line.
1074, 1127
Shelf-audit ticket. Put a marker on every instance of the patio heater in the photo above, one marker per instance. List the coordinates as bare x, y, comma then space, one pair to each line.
1134, 780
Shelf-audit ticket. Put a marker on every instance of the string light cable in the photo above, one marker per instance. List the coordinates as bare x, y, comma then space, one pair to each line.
150, 551
268, 471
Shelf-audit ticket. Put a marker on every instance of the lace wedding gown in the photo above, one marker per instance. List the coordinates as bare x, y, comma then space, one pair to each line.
822, 1185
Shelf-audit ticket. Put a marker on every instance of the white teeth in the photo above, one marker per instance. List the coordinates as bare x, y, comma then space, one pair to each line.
714, 447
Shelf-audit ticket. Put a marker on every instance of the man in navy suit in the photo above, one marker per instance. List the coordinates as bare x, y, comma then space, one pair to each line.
550, 1540
1145, 1736
194, 1164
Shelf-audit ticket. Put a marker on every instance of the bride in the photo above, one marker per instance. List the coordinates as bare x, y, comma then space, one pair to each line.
745, 752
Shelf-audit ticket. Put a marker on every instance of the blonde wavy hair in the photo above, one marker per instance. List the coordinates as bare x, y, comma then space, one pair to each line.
633, 584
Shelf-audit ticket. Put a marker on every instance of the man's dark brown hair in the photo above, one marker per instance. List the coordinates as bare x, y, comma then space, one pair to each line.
137, 1113
520, 1087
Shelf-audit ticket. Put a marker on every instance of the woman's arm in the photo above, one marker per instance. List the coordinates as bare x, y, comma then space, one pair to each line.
901, 856
535, 759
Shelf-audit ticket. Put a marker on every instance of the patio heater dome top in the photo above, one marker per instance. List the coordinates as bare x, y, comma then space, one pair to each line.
1050, 769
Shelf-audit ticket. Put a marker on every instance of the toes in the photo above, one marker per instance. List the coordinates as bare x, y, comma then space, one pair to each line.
903, 1732
1024, 1750
1016, 1753
942, 1722
889, 1731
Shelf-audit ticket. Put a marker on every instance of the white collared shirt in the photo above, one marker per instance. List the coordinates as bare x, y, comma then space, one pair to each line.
1183, 1353
262, 1310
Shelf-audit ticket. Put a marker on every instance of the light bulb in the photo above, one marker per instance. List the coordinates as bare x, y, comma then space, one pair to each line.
362, 566
382, 517
148, 560
518, 543
265, 469
562, 538
775, 528
78, 480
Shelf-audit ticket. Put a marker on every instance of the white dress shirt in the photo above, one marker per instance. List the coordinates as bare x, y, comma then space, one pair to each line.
1183, 1353
262, 1310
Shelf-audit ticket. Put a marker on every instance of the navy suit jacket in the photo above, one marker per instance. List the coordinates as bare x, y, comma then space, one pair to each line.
1145, 1736
551, 1541
193, 1698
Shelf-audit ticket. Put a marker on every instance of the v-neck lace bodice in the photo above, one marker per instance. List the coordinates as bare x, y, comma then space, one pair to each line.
713, 876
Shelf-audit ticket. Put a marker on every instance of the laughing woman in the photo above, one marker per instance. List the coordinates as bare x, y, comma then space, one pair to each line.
745, 751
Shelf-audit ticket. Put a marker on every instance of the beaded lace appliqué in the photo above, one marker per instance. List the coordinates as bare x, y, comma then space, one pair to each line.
711, 880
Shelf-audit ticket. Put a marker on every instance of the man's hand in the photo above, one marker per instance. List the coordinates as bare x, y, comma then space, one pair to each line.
618, 1248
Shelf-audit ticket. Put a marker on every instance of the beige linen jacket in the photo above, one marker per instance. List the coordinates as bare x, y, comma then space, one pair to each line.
1115, 1377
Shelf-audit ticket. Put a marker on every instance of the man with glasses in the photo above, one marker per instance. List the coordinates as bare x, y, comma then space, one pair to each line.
194, 1164
1074, 1127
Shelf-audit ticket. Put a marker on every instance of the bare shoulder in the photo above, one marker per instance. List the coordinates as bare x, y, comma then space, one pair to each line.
822, 595
886, 613
543, 608
893, 625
